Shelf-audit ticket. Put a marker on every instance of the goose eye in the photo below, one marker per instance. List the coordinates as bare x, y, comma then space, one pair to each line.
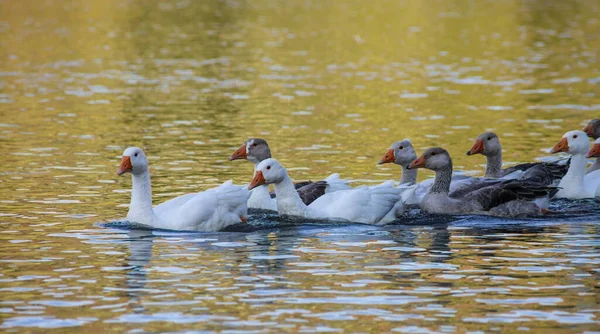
268, 167
135, 155
433, 153
254, 144
574, 136
401, 147
489, 138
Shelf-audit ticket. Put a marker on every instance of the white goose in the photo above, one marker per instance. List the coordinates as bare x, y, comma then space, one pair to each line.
256, 150
366, 205
207, 211
576, 183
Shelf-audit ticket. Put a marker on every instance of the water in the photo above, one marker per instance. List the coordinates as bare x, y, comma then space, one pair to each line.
330, 85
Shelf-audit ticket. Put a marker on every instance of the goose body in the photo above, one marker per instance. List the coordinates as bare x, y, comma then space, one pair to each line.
256, 150
366, 205
496, 197
402, 153
488, 144
207, 211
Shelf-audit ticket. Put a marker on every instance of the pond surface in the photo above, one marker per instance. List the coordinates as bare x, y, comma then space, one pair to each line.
330, 85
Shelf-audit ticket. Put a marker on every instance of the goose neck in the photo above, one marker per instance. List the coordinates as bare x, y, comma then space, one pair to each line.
287, 196
493, 167
141, 196
577, 168
443, 177
408, 175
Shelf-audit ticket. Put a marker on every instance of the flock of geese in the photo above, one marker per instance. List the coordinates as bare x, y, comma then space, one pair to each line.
521, 190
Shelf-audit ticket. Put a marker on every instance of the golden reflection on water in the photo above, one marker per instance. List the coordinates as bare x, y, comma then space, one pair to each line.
329, 84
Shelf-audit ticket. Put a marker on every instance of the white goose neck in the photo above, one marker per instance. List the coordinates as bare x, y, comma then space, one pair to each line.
288, 200
140, 208
576, 170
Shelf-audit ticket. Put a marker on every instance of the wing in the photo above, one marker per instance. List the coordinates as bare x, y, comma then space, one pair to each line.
507, 191
461, 188
310, 192
362, 205
299, 185
546, 173
230, 196
334, 183
172, 204
518, 168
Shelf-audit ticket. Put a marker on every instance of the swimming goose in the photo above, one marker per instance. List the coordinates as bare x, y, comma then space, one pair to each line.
402, 153
576, 183
256, 150
505, 198
593, 131
488, 144
207, 211
366, 205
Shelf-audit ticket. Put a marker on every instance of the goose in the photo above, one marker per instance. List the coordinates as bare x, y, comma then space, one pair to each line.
256, 150
592, 129
402, 153
488, 144
505, 198
207, 211
576, 183
367, 205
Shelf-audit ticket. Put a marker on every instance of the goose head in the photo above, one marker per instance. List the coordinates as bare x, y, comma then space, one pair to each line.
134, 161
595, 150
268, 171
487, 144
435, 159
572, 142
593, 128
254, 150
401, 153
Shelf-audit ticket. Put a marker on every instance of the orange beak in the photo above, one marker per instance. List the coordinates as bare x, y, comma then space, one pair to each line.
594, 152
589, 130
243, 219
562, 146
258, 180
419, 163
388, 157
239, 154
125, 166
477, 147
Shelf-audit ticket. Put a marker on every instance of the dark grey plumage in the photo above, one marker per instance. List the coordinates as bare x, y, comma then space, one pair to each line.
301, 184
310, 192
517, 168
495, 197
507, 191
546, 173
476, 184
